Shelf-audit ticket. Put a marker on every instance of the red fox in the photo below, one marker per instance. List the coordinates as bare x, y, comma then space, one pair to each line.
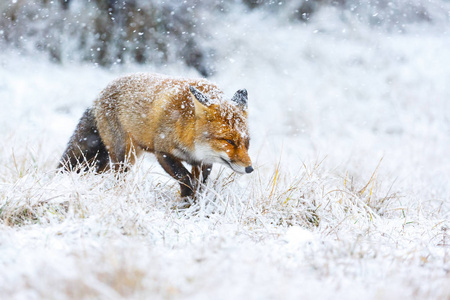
177, 119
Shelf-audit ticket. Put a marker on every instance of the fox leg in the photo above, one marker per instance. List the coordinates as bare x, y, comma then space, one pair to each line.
117, 153
124, 154
204, 170
175, 168
120, 145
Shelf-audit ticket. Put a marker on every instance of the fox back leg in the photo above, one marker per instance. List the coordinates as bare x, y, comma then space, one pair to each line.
121, 148
86, 148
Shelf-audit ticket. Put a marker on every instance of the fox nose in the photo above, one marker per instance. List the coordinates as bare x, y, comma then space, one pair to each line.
249, 169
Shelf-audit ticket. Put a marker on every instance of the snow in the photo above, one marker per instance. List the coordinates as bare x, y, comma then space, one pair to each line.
350, 134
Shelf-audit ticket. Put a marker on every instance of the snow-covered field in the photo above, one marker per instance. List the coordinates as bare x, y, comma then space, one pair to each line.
350, 198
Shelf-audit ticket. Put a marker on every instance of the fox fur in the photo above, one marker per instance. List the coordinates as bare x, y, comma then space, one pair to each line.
177, 119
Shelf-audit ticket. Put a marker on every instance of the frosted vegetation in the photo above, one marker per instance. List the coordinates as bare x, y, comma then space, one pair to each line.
349, 119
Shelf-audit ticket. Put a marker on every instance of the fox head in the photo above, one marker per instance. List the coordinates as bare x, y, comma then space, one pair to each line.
222, 131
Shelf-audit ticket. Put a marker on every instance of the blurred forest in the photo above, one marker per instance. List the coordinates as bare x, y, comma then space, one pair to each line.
113, 32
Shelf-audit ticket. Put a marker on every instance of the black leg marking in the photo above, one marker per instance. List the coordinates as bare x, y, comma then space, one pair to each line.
175, 168
202, 170
206, 171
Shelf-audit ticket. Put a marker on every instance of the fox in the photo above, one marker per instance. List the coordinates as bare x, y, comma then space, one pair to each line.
177, 119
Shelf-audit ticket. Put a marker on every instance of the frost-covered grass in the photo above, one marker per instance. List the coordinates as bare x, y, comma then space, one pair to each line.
311, 233
70, 235
349, 198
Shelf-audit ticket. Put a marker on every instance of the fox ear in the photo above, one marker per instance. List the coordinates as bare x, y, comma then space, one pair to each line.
241, 98
199, 96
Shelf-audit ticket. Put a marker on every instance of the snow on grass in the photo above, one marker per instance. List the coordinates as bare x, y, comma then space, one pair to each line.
349, 198
278, 235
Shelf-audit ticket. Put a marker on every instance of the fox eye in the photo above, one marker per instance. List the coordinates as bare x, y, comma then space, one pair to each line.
232, 143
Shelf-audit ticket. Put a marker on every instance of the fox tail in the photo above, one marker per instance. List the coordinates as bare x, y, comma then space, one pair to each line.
85, 150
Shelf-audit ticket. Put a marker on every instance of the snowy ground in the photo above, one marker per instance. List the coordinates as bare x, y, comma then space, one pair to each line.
350, 198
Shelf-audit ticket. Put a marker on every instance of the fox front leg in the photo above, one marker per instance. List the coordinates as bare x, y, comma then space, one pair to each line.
202, 170
175, 168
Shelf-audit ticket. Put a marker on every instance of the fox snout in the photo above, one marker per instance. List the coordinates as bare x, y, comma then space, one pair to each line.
239, 169
244, 161
241, 166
